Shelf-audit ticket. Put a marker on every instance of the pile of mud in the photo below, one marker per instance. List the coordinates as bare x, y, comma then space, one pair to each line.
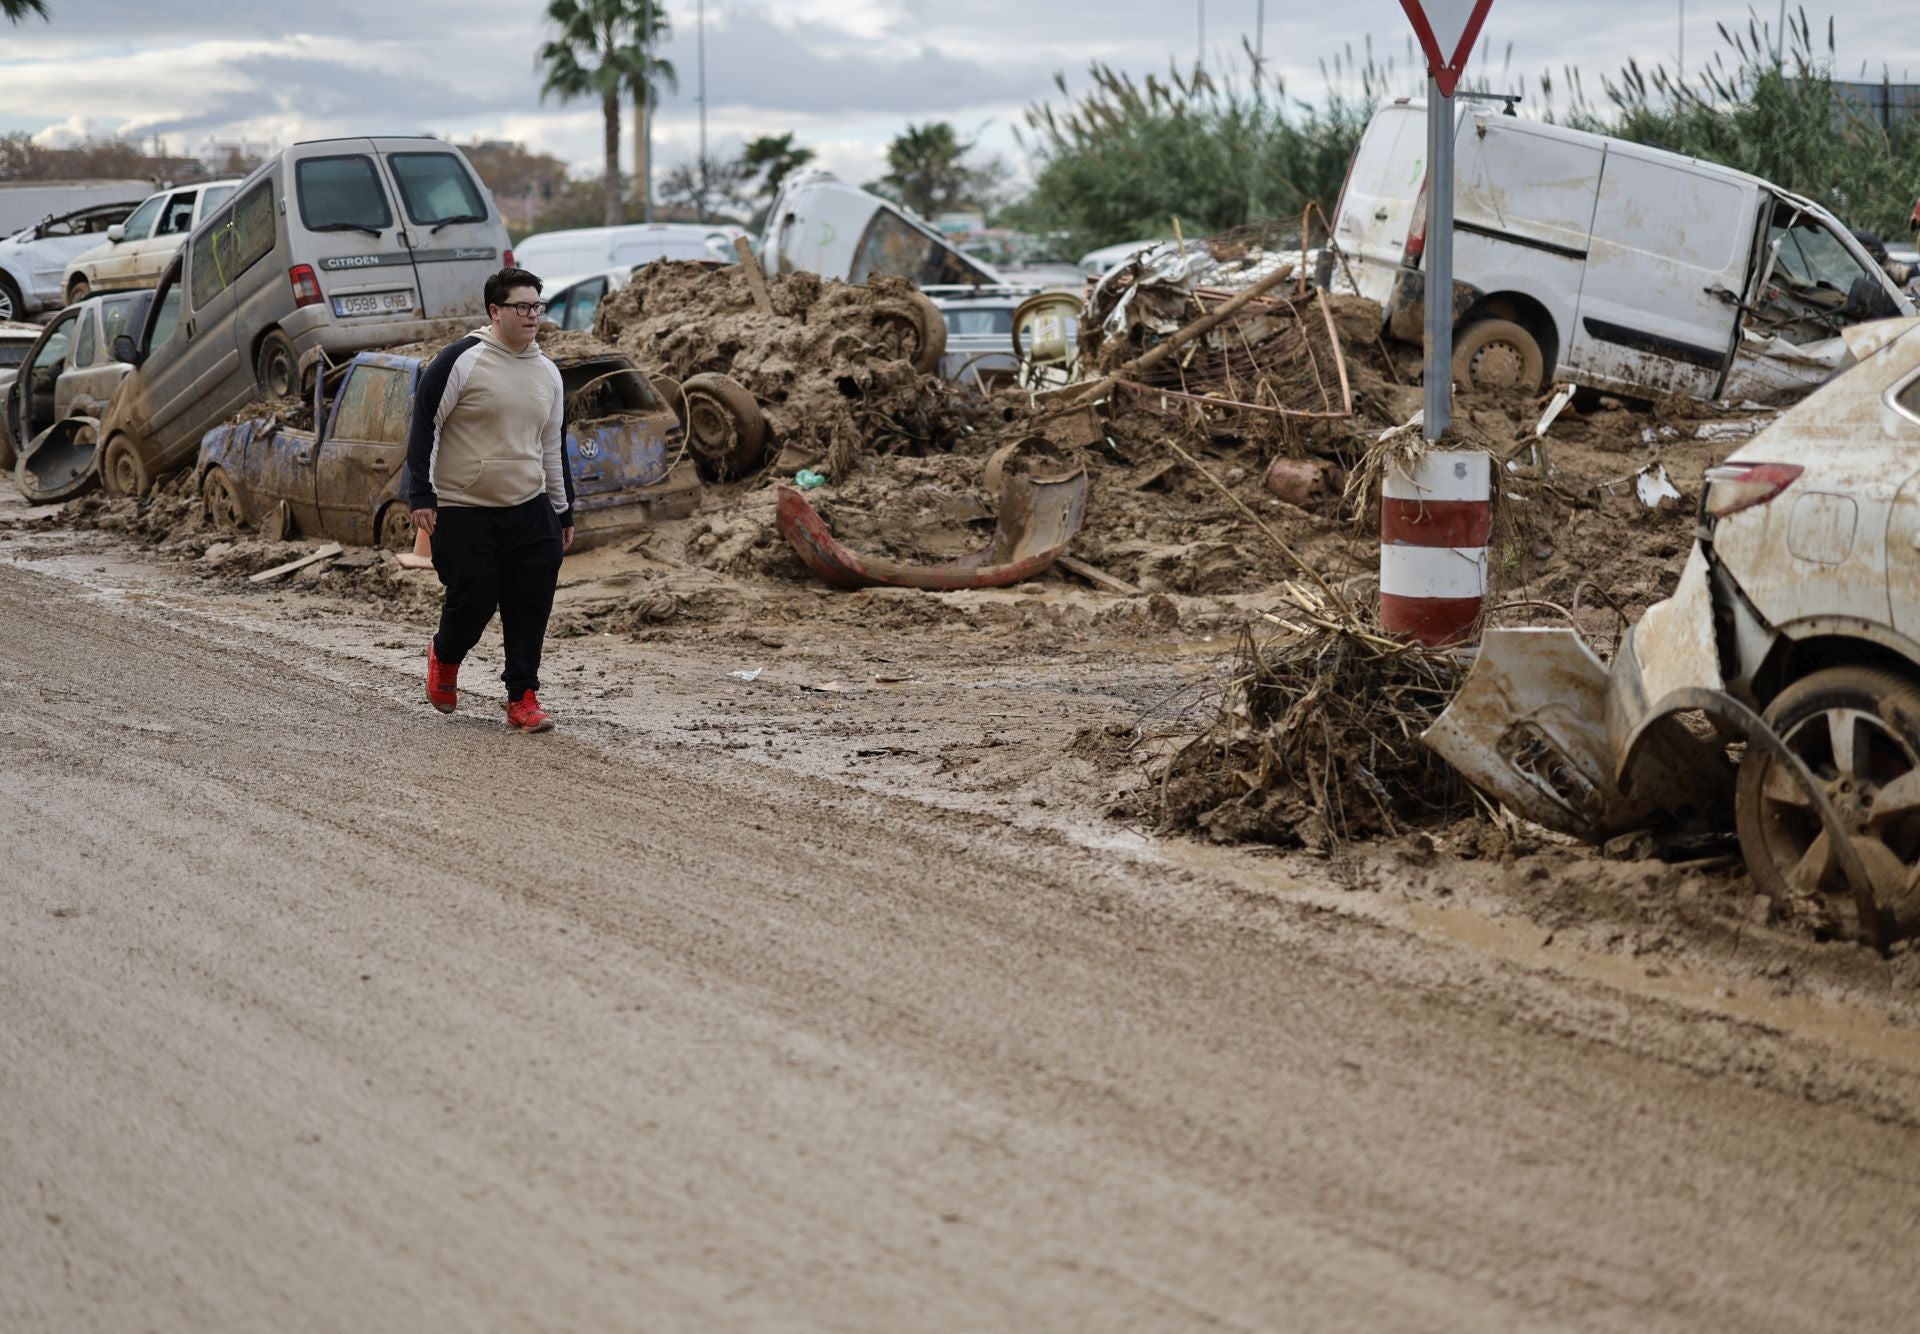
826, 365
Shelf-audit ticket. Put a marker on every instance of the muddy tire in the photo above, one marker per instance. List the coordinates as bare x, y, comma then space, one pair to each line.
667, 390
726, 432
1498, 356
1858, 730
122, 471
395, 530
913, 330
11, 306
275, 368
78, 290
217, 493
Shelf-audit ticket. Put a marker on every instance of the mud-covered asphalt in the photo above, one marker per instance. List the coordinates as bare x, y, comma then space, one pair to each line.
319, 1011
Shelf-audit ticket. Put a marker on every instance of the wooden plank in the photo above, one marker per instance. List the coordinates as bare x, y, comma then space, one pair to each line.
756, 279
1094, 575
328, 552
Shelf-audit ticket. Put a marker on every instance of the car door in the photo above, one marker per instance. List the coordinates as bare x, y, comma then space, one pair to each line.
341, 220
1900, 438
38, 384
364, 446
223, 381
450, 222
110, 269
90, 381
146, 259
1659, 307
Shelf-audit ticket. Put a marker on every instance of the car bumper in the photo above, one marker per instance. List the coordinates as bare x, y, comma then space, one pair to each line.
603, 518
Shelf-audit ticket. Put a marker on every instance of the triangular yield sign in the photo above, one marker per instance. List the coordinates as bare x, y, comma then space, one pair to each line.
1447, 30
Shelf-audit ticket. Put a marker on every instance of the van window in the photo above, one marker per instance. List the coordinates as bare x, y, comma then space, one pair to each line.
140, 225
891, 245
207, 266
166, 318
83, 351
178, 218
341, 194
436, 188
374, 406
253, 230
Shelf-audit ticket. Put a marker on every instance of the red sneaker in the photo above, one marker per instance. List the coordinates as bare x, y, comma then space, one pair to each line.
526, 715
443, 682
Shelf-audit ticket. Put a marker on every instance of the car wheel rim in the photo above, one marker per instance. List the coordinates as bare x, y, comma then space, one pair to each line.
396, 533
1872, 780
124, 471
6, 305
222, 506
1497, 366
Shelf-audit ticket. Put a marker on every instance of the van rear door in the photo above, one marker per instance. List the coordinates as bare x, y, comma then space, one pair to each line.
342, 204
1669, 256
450, 220
1376, 209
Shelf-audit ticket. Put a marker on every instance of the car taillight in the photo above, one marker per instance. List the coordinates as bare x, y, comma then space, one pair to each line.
1732, 487
506, 258
306, 287
1417, 229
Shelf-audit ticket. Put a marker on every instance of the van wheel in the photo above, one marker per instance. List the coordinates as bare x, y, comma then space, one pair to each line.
1857, 729
275, 367
1497, 356
11, 306
222, 501
122, 471
78, 290
915, 332
725, 429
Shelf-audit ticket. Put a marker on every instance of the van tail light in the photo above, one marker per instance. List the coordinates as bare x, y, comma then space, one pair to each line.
506, 258
306, 287
1732, 487
1417, 229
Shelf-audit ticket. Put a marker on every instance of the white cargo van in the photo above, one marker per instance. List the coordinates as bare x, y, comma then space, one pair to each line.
1607, 263
593, 249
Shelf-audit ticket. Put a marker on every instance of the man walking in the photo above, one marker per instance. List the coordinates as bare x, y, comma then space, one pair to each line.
491, 487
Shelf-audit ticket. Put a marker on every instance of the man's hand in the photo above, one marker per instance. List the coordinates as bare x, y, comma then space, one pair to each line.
566, 539
425, 519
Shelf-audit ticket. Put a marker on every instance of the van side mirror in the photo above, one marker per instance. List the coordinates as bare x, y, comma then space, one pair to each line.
125, 350
117, 232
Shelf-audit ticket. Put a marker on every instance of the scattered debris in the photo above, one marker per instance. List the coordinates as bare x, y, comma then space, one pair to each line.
328, 552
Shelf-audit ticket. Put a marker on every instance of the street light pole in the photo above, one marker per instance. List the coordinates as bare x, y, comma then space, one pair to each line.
700, 41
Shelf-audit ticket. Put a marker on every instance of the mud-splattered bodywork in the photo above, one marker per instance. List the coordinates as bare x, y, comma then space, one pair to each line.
343, 480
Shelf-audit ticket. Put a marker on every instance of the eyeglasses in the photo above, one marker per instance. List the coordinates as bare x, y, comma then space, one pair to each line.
526, 308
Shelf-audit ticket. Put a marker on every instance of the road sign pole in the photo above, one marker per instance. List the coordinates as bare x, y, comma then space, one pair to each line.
1437, 260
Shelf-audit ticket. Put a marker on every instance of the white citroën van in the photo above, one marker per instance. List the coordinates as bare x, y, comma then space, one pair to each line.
329, 248
1606, 263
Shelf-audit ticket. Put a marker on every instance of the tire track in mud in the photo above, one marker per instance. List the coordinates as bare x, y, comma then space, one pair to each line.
617, 1015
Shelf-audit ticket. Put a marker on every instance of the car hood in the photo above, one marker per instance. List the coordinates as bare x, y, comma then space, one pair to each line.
1851, 409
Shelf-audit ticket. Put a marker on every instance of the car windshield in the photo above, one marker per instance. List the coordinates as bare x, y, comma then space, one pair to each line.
892, 245
980, 320
140, 226
341, 193
436, 188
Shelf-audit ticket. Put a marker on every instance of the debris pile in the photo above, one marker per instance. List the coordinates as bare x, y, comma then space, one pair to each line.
838, 370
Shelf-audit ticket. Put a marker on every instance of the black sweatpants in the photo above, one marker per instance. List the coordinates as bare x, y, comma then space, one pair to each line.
504, 559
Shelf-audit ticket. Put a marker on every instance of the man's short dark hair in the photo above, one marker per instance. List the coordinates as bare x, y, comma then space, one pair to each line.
506, 280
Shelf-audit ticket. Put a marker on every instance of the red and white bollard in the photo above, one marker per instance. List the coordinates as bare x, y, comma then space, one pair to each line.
1433, 545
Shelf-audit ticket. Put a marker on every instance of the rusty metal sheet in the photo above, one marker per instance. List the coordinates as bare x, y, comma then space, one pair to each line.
1036, 520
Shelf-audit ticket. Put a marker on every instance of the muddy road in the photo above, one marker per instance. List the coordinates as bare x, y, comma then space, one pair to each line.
320, 1011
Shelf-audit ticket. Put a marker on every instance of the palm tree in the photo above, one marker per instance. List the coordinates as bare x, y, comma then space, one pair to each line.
926, 168
778, 156
647, 73
19, 9
595, 55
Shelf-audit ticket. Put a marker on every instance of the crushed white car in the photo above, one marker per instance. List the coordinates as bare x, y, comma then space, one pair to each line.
1781, 679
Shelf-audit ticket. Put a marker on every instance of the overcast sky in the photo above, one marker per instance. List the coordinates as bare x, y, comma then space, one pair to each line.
845, 75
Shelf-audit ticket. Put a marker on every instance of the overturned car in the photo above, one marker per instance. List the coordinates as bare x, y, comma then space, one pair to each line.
1780, 680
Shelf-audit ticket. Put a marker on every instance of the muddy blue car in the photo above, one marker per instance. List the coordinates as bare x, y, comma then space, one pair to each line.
345, 478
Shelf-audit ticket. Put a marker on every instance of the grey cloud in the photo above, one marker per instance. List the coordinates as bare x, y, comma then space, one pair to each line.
327, 91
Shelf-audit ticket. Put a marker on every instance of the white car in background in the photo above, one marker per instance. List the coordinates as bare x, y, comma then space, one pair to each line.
820, 224
138, 250
573, 299
33, 259
1098, 263
583, 250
